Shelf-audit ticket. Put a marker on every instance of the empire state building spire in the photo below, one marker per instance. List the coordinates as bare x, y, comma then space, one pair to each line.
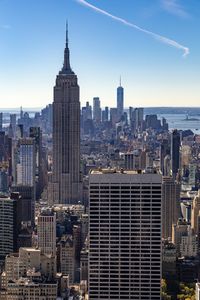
66, 69
66, 185
67, 40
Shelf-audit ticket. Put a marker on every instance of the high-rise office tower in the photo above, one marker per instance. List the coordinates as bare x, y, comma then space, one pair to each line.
152, 121
175, 152
96, 110
167, 166
133, 160
105, 114
6, 158
19, 132
89, 110
170, 205
195, 212
66, 135
120, 100
26, 162
4, 182
5, 147
113, 116
130, 112
36, 134
140, 118
125, 235
66, 257
184, 239
8, 226
165, 125
47, 233
164, 150
77, 251
47, 118
1, 121
13, 123
24, 170
84, 264
137, 119
86, 112
26, 203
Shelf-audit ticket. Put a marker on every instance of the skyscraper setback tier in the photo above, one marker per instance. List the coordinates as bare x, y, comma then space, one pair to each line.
125, 235
66, 135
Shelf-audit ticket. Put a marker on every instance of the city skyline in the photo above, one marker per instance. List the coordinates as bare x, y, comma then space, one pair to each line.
102, 205
153, 74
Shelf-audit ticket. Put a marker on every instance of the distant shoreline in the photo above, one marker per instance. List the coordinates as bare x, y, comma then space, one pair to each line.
23, 108
126, 108
192, 112
191, 119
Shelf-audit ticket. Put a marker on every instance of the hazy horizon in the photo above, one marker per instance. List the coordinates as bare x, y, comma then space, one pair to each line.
126, 108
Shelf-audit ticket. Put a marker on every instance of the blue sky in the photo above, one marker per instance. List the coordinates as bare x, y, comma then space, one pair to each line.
32, 37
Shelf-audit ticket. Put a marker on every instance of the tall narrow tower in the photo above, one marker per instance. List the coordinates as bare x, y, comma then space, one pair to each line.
170, 205
175, 152
66, 134
120, 100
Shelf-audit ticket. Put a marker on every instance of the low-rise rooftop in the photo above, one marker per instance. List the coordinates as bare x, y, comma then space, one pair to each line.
123, 171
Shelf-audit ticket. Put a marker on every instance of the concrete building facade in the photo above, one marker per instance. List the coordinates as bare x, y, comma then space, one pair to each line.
47, 233
124, 235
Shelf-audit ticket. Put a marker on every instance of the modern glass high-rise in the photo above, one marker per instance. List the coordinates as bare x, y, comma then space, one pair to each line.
96, 110
124, 235
25, 162
120, 100
24, 174
66, 135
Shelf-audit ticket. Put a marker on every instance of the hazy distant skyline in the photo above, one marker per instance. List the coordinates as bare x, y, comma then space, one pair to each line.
32, 38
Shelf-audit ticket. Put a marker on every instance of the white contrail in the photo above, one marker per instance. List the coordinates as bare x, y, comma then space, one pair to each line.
156, 36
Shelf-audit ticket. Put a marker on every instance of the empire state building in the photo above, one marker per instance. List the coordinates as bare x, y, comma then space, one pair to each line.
66, 135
